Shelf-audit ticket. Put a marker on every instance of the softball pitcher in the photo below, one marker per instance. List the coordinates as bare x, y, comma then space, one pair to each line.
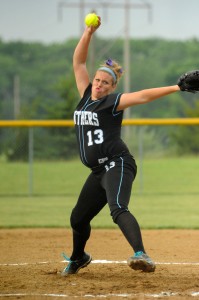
98, 119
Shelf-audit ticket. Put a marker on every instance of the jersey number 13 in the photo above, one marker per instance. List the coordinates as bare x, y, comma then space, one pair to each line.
95, 137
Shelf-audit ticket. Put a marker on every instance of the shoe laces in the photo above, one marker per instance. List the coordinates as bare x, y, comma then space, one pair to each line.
67, 259
139, 253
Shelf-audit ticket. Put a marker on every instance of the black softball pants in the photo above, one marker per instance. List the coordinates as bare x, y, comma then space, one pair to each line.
112, 186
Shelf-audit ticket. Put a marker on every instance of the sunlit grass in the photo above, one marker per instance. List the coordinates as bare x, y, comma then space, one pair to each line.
165, 194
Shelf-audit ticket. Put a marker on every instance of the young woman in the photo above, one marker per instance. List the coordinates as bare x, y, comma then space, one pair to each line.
98, 119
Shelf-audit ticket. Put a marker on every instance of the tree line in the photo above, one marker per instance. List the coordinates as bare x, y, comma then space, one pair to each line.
37, 82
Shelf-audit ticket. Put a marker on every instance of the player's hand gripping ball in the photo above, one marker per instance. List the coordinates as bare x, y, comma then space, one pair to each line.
91, 20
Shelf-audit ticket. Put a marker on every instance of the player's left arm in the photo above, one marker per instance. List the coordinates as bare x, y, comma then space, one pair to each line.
145, 96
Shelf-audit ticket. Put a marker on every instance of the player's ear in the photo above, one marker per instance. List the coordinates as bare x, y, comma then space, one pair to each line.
114, 86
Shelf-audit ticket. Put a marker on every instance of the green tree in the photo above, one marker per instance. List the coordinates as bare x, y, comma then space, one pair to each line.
44, 94
186, 138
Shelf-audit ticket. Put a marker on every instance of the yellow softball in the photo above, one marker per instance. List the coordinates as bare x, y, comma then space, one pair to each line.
91, 20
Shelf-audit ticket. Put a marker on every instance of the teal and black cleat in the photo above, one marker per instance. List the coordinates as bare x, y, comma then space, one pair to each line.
75, 265
141, 261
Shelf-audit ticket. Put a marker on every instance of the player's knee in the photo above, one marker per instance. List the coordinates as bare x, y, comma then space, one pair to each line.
78, 224
116, 213
80, 229
74, 222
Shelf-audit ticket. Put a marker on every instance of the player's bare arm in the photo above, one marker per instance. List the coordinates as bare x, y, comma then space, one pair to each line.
145, 96
80, 57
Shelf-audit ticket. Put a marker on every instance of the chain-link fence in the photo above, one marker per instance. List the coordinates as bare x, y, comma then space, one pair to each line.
34, 156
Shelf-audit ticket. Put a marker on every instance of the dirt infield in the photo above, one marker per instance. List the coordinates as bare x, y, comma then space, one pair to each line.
30, 259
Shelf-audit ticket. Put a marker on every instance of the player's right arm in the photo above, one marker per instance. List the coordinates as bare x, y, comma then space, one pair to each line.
79, 59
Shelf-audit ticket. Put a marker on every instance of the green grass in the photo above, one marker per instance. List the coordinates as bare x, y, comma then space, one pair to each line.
165, 196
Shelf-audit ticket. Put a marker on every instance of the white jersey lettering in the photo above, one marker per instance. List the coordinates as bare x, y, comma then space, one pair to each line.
86, 118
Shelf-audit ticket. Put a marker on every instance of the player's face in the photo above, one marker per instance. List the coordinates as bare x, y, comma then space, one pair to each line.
102, 85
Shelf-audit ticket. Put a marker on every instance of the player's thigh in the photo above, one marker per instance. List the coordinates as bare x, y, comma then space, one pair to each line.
91, 200
117, 182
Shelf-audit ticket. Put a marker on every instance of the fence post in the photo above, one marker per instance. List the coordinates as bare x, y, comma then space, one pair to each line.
140, 135
30, 159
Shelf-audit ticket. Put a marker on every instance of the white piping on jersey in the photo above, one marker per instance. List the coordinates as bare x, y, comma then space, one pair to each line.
121, 178
82, 151
79, 128
116, 102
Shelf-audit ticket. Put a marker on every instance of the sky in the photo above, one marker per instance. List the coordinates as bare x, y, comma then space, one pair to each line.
47, 21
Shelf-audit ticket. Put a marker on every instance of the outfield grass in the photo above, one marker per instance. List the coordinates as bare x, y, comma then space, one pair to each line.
167, 196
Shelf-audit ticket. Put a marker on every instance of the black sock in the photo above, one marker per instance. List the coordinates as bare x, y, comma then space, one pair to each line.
131, 230
79, 242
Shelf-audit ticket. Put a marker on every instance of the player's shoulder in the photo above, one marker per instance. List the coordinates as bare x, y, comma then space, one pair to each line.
114, 95
113, 99
87, 90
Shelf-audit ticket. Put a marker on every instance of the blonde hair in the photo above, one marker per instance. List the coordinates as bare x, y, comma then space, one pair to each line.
115, 67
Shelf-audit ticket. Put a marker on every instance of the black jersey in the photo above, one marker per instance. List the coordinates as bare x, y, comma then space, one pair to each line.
98, 129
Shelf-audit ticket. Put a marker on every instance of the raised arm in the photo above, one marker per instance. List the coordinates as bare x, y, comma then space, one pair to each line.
80, 57
145, 96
